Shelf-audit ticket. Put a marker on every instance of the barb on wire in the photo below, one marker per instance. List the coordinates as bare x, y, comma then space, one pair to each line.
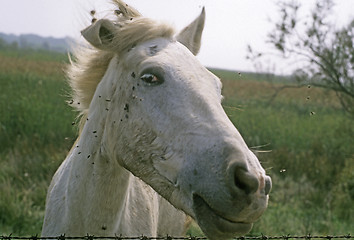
168, 237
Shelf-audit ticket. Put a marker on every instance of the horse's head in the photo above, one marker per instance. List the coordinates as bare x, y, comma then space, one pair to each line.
166, 125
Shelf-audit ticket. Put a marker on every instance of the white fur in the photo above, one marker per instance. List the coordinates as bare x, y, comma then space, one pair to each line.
147, 150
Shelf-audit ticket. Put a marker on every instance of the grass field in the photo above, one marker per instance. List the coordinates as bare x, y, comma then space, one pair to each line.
303, 138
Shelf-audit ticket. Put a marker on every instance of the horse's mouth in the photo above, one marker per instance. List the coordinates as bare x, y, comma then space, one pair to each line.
214, 225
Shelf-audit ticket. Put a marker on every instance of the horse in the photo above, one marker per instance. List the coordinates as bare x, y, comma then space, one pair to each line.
155, 146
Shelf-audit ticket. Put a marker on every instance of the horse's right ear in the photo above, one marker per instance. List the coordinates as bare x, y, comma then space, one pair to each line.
191, 35
100, 34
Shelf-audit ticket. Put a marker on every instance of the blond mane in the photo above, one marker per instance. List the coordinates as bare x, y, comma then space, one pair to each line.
90, 64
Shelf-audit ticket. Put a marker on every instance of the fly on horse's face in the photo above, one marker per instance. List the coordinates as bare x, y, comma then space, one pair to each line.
159, 115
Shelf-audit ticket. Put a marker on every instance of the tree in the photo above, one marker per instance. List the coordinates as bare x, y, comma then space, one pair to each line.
327, 54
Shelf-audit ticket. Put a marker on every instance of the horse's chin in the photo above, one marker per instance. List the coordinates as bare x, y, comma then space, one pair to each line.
214, 225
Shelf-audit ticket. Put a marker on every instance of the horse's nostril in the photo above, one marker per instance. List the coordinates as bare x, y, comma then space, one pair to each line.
268, 185
244, 180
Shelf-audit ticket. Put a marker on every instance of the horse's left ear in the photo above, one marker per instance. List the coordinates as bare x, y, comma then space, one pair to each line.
191, 35
100, 34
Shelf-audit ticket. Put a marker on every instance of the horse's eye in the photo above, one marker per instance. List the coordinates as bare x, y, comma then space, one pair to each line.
150, 79
152, 76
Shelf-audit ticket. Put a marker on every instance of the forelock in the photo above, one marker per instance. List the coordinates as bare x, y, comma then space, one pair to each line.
138, 30
132, 28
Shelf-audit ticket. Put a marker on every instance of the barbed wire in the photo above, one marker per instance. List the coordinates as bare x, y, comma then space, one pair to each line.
116, 237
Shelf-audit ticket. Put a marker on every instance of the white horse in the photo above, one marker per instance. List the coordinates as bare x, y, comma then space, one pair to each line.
155, 144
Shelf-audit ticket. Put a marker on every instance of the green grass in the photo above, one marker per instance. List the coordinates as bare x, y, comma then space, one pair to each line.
35, 134
308, 150
31, 110
309, 156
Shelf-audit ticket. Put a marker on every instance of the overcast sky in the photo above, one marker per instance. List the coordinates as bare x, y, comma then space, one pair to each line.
230, 24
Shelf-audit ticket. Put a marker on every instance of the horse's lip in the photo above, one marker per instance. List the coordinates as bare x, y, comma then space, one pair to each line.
210, 218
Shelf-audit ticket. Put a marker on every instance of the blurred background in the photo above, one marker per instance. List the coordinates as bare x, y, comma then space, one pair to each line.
288, 77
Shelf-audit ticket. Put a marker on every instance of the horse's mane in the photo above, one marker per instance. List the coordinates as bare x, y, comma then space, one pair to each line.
90, 64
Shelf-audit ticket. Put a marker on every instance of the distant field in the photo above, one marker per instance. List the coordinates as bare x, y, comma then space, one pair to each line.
303, 138
305, 141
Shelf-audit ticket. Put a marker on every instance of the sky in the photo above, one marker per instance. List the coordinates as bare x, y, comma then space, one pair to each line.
230, 24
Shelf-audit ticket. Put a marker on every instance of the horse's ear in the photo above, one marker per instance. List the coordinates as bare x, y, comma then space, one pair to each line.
100, 34
191, 35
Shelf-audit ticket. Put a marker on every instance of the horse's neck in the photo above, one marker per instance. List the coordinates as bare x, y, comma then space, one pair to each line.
99, 186
105, 191
110, 198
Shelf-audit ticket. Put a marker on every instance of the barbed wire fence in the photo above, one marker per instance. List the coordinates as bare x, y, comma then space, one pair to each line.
116, 237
